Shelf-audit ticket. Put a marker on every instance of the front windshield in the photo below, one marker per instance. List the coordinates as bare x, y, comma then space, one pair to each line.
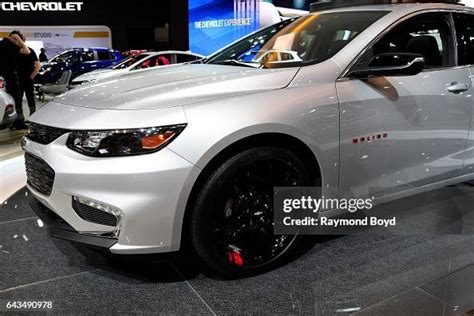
69, 56
129, 61
313, 38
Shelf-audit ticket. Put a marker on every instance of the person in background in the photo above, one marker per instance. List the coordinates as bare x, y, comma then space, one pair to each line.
28, 68
42, 56
11, 48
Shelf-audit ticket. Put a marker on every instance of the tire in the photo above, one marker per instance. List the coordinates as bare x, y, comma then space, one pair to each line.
231, 226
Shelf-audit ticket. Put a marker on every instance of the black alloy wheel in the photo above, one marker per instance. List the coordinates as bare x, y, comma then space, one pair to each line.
232, 221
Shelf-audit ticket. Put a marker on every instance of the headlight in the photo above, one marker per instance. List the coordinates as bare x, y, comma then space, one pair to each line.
112, 143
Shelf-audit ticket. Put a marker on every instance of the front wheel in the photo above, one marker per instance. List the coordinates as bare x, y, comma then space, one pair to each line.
231, 226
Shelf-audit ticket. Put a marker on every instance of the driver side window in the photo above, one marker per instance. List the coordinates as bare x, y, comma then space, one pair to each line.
87, 56
426, 34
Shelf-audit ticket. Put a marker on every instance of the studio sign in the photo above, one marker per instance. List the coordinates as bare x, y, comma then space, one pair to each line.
41, 6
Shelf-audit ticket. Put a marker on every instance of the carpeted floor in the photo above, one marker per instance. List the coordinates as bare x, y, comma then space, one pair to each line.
370, 272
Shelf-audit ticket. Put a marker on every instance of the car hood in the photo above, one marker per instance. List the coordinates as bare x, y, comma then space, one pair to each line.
176, 85
98, 74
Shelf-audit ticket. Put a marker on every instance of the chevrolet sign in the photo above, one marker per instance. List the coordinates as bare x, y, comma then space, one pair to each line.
41, 6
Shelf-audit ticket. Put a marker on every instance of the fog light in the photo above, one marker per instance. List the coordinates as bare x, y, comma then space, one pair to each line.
98, 213
24, 141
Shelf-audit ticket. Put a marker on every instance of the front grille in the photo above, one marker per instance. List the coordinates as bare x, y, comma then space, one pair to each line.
93, 215
40, 176
43, 134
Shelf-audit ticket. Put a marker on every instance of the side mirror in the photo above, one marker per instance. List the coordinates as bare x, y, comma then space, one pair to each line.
392, 65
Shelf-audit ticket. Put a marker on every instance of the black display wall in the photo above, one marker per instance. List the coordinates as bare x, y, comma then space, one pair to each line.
133, 23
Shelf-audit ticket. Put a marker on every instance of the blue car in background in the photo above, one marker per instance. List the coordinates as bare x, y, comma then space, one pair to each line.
79, 61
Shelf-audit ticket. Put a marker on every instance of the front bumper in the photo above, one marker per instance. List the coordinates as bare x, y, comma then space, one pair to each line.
9, 116
8, 119
60, 229
147, 190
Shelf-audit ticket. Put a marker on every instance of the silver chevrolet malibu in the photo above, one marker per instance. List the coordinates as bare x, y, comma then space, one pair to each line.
363, 101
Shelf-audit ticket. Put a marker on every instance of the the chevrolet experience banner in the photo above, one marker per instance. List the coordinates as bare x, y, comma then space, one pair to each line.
215, 23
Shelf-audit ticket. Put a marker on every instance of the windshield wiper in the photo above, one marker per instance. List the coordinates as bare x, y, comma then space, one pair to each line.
235, 62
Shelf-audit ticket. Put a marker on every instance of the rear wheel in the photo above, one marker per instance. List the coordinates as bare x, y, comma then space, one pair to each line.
231, 226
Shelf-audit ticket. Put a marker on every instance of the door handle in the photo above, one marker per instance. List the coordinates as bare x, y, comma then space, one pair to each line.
458, 87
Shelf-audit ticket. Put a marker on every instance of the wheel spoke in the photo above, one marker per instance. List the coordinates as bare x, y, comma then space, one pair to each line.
245, 219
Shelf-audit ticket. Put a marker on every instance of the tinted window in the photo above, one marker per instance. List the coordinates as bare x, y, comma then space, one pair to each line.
163, 60
312, 38
129, 61
103, 55
428, 35
160, 60
88, 56
183, 58
145, 64
465, 34
285, 56
70, 56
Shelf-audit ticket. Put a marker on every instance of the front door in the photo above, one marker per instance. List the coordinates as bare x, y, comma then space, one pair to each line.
398, 133
465, 39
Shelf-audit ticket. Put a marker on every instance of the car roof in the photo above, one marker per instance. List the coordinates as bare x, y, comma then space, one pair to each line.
99, 48
85, 49
401, 7
170, 52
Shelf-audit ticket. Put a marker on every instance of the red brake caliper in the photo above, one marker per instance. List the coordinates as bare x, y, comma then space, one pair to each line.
234, 256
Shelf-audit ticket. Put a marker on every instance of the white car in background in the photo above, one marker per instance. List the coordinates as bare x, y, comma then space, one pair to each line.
141, 61
7, 106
